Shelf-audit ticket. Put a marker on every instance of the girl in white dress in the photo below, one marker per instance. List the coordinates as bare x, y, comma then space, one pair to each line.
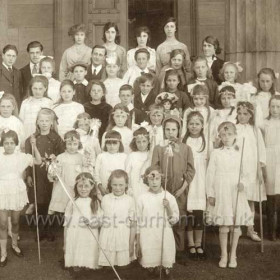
81, 248
118, 230
70, 164
37, 98
271, 139
156, 203
200, 100
222, 187
120, 121
9, 117
266, 89
88, 131
254, 158
137, 162
196, 203
227, 113
112, 157
66, 109
13, 194
156, 115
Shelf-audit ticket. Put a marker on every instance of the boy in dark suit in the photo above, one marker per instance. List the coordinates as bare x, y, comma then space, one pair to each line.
35, 51
147, 94
126, 97
96, 70
10, 77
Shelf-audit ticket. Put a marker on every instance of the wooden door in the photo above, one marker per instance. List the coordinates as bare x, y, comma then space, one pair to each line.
97, 12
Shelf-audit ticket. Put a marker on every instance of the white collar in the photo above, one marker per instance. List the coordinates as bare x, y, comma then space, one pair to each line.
84, 82
97, 68
146, 70
130, 106
7, 67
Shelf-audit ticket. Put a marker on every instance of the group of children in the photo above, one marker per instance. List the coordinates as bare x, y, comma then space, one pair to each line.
147, 160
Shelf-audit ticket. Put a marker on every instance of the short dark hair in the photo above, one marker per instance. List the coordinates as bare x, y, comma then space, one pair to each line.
34, 44
146, 77
142, 50
144, 29
99, 47
10, 47
126, 87
107, 26
9, 134
113, 134
213, 41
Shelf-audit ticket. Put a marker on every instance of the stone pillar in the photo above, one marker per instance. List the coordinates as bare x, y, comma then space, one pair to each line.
253, 35
3, 24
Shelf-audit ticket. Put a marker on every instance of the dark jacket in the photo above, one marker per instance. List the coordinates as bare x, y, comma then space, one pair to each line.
216, 67
26, 77
101, 76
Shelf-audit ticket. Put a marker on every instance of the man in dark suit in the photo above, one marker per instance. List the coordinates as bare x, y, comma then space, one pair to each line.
10, 77
35, 51
96, 70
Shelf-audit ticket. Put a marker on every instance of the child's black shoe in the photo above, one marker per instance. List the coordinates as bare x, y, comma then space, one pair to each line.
200, 253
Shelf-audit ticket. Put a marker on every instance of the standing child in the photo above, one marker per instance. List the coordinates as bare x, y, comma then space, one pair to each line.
180, 172
200, 100
118, 231
78, 52
81, 248
156, 203
79, 71
120, 121
126, 97
70, 164
222, 188
13, 195
89, 139
112, 157
97, 108
66, 109
47, 68
227, 113
156, 116
254, 157
202, 74
36, 99
113, 83
196, 203
229, 74
48, 143
138, 161
9, 117
271, 139
171, 82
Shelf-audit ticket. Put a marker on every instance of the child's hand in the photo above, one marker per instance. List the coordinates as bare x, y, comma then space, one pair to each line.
29, 181
240, 187
84, 220
33, 140
179, 192
212, 201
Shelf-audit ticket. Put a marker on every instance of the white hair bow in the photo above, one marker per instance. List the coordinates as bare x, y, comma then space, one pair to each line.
191, 86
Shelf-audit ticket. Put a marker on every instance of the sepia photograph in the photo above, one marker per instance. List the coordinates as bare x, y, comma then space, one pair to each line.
139, 139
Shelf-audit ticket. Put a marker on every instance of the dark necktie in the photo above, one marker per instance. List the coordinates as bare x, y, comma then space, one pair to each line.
34, 70
94, 72
10, 69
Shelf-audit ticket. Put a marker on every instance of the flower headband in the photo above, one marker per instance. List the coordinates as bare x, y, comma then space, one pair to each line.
84, 179
245, 106
226, 127
112, 139
122, 112
71, 139
153, 175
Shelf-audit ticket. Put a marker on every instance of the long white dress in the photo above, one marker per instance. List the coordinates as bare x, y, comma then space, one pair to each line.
105, 164
118, 213
254, 151
67, 115
81, 248
272, 143
221, 184
15, 124
197, 188
29, 110
112, 90
13, 194
151, 221
70, 166
135, 166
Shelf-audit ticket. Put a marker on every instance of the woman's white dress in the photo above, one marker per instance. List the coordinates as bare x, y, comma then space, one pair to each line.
81, 248
150, 223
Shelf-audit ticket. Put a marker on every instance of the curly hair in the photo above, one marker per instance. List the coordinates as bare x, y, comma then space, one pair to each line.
107, 26
73, 30
213, 41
